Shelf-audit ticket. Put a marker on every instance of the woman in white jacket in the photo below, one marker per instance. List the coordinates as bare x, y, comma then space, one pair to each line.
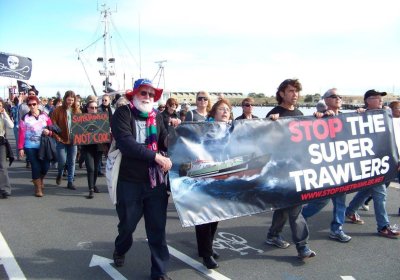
5, 122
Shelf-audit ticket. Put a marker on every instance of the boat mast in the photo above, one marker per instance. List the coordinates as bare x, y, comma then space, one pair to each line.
107, 70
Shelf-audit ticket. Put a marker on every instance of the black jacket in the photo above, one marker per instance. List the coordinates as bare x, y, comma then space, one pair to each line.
47, 149
136, 158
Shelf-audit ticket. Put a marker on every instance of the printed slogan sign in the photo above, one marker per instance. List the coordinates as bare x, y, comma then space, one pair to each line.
91, 129
222, 171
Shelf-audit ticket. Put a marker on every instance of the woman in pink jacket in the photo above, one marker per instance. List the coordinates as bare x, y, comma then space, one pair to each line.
32, 125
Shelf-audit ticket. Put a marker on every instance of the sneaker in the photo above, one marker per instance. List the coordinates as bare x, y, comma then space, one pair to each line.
364, 207
340, 235
355, 219
389, 232
119, 260
306, 253
277, 241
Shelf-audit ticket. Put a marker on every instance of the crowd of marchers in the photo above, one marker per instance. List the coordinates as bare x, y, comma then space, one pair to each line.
42, 131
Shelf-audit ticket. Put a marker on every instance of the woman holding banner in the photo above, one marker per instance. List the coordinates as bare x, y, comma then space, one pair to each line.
169, 115
220, 112
92, 154
31, 127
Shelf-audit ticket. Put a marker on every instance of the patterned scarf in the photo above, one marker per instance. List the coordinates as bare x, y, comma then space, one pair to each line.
155, 172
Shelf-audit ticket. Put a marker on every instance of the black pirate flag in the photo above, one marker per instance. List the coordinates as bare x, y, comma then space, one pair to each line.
14, 66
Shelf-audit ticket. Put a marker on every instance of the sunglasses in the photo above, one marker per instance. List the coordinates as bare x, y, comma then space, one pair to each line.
92, 107
223, 109
202, 98
104, 100
32, 104
144, 93
247, 105
335, 96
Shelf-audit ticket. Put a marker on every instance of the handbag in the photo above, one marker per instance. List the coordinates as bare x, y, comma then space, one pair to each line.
113, 164
112, 171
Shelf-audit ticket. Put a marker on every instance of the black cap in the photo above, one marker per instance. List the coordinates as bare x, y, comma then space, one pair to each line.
373, 92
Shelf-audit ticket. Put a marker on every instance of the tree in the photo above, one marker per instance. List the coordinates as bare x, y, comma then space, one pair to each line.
308, 98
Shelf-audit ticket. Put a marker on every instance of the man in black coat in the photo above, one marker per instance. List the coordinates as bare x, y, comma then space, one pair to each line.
141, 189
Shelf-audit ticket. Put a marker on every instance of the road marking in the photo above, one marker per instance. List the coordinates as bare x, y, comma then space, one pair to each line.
348, 278
230, 241
7, 259
210, 273
105, 264
395, 186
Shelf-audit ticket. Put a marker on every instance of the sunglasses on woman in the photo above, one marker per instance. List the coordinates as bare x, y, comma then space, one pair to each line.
202, 98
32, 104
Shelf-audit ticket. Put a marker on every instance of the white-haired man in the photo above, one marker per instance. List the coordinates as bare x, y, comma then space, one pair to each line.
140, 136
333, 102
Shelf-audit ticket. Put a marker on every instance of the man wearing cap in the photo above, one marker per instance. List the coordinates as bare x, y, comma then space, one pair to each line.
141, 190
333, 102
373, 100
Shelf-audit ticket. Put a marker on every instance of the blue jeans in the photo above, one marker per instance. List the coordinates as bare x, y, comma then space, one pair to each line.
39, 167
135, 200
66, 153
378, 194
339, 209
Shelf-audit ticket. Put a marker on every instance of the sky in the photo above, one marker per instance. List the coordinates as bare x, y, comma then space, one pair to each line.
214, 45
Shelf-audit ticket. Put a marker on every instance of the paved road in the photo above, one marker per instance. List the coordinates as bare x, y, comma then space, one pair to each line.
66, 236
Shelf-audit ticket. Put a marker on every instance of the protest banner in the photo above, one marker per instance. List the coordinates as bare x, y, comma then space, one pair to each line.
91, 128
222, 171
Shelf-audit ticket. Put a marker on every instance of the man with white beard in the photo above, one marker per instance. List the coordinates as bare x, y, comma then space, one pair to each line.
141, 137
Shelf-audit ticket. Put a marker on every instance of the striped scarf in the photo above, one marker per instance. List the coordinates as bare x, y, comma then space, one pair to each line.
155, 172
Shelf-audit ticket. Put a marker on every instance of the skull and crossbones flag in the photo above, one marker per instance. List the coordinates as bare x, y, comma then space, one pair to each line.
14, 66
23, 87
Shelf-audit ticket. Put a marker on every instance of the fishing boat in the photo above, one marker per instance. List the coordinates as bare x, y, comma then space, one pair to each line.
240, 166
117, 72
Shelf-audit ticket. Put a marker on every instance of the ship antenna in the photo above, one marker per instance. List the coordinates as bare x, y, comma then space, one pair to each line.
140, 51
160, 72
106, 71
